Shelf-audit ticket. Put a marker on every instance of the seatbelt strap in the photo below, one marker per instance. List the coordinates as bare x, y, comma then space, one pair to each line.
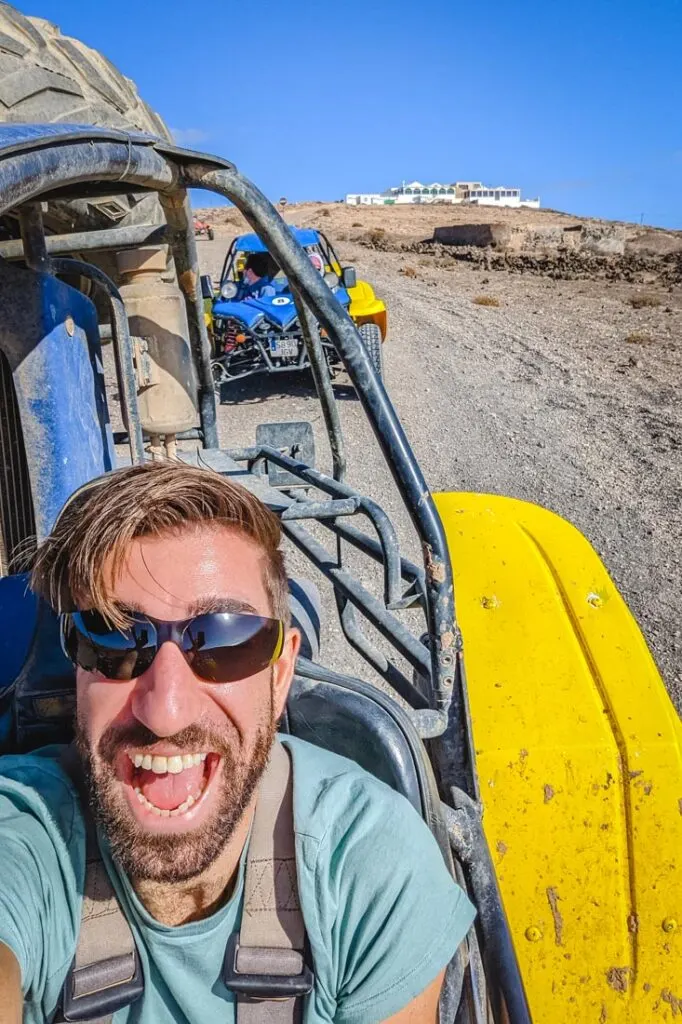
105, 974
265, 962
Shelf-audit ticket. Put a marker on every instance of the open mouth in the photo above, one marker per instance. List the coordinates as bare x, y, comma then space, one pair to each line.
171, 787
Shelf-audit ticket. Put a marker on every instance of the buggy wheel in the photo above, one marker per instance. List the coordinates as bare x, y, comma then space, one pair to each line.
211, 234
371, 335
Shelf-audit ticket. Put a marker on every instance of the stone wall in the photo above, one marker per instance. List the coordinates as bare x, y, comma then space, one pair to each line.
498, 236
606, 239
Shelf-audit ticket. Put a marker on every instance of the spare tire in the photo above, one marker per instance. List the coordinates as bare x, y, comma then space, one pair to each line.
46, 77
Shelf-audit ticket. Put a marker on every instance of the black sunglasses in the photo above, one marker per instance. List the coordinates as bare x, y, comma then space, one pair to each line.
220, 647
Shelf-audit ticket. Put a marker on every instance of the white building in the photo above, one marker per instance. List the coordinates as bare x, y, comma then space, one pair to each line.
408, 192
470, 192
500, 196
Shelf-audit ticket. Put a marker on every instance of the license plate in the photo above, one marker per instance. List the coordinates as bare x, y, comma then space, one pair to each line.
284, 348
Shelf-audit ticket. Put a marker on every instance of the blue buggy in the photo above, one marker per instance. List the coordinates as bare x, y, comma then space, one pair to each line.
255, 319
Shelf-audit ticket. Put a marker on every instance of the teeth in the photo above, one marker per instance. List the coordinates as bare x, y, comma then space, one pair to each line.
185, 806
160, 765
182, 809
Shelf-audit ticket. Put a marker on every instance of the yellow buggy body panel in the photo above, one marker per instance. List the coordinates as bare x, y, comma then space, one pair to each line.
366, 308
579, 755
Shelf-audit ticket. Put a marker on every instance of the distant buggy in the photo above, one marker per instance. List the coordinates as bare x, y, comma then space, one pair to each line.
255, 322
202, 227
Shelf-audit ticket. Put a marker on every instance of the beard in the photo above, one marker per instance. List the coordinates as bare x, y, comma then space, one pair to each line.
174, 858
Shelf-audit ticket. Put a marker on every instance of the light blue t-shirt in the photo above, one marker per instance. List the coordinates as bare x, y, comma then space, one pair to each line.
382, 914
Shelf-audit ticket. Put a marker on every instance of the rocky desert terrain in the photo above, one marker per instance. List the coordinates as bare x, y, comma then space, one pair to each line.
543, 362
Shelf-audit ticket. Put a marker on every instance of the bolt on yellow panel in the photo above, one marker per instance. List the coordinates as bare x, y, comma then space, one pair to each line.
579, 757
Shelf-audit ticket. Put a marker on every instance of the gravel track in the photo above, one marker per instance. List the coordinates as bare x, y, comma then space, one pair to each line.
540, 398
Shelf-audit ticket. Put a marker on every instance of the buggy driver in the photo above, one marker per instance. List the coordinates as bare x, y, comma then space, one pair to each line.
175, 611
259, 271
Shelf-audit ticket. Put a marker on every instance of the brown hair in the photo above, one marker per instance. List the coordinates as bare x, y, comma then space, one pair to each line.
78, 564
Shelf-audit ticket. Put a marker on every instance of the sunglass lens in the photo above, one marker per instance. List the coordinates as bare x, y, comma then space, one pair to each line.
224, 648
117, 654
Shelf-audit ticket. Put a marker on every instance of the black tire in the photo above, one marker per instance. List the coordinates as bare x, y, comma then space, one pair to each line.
371, 335
211, 234
47, 77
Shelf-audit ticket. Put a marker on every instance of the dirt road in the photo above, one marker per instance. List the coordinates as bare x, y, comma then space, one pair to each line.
541, 397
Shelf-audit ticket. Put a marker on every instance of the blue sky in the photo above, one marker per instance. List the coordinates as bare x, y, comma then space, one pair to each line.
578, 102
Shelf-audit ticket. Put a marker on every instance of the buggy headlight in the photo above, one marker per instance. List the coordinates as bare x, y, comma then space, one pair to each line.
228, 290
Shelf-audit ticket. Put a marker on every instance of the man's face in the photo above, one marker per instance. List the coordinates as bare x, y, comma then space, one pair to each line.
170, 825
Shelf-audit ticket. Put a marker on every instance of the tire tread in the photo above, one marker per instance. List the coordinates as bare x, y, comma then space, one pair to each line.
371, 335
49, 77
33, 50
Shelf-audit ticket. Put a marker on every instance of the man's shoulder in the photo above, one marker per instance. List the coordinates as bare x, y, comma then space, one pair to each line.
41, 765
36, 784
382, 912
332, 792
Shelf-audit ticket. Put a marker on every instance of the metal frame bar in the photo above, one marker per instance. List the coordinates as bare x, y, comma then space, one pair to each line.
91, 241
229, 253
34, 173
267, 366
463, 819
381, 618
410, 572
375, 658
382, 524
32, 243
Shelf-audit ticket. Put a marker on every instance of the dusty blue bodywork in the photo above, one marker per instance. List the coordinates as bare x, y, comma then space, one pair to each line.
50, 338
49, 343
252, 243
278, 309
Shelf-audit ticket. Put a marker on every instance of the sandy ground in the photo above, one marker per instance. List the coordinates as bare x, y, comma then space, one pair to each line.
542, 397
